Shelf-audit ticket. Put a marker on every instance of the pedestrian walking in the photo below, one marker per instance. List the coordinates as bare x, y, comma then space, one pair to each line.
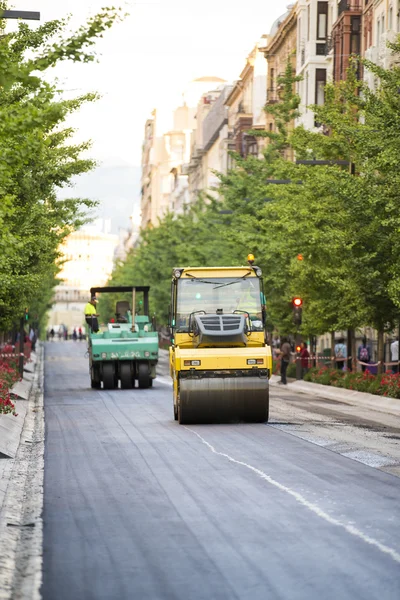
284, 353
33, 338
340, 354
394, 353
52, 334
74, 335
364, 354
305, 359
80, 335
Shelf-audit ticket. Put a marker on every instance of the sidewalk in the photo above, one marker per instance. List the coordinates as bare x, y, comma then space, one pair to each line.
379, 403
21, 487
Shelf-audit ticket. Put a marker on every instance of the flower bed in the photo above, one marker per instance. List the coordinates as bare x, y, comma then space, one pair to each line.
386, 384
8, 376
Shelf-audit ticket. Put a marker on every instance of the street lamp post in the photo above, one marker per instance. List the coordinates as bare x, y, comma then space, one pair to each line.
27, 15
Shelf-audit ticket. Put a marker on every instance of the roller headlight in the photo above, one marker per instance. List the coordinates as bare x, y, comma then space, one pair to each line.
177, 273
104, 355
258, 272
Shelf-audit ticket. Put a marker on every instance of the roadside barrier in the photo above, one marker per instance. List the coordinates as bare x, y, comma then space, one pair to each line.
320, 359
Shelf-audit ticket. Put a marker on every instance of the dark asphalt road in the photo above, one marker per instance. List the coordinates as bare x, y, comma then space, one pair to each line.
140, 508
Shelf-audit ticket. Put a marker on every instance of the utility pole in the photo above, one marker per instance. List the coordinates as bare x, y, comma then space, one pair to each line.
21, 346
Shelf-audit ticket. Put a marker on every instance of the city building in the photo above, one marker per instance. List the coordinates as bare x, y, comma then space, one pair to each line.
380, 24
87, 260
165, 153
314, 56
346, 36
282, 46
246, 103
209, 142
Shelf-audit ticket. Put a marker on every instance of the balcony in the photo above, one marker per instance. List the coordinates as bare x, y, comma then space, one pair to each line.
272, 96
243, 122
323, 48
349, 6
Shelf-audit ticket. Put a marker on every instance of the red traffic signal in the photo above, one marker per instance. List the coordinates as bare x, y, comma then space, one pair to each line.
298, 348
297, 301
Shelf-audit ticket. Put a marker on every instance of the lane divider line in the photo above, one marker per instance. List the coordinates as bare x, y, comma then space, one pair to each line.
302, 500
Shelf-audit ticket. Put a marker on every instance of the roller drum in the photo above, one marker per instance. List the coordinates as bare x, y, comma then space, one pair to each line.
223, 400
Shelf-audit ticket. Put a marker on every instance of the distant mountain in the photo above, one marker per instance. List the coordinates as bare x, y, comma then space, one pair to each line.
115, 186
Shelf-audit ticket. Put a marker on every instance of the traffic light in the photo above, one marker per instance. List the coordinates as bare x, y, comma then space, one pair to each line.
297, 304
298, 349
26, 314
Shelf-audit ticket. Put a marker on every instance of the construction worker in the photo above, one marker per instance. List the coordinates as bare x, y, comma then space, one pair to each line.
91, 314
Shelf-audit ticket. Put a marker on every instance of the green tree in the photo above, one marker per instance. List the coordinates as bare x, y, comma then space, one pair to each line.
38, 157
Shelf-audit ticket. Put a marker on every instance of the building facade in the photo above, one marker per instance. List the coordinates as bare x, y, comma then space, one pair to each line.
209, 145
166, 156
314, 57
246, 103
281, 48
381, 24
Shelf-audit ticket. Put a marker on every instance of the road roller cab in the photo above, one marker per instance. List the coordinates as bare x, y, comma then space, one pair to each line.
219, 361
127, 350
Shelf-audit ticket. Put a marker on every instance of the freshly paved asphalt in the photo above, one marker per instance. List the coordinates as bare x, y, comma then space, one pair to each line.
138, 507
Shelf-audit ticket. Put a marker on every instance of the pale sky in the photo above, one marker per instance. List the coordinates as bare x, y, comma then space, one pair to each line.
147, 61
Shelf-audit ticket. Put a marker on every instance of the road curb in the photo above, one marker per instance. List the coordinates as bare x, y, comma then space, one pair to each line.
21, 526
375, 402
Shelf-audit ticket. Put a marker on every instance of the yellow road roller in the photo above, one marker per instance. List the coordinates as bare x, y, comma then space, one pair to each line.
219, 361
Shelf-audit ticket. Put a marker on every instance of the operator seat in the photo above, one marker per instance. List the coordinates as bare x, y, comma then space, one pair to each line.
121, 311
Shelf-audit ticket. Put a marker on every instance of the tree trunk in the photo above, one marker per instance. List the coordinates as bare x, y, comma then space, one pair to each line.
350, 355
380, 351
353, 351
332, 349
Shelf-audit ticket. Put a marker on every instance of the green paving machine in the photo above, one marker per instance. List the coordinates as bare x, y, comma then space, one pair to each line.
127, 351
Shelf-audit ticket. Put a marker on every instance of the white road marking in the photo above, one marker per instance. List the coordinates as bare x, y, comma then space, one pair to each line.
301, 500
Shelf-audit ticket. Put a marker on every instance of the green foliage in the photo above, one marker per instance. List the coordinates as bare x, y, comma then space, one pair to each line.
342, 220
37, 158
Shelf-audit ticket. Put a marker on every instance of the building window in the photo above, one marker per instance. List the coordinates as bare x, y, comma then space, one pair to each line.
308, 22
320, 83
355, 45
390, 18
322, 18
271, 79
383, 24
378, 31
306, 88
298, 35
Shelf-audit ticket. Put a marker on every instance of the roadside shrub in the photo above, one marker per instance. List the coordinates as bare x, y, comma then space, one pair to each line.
8, 376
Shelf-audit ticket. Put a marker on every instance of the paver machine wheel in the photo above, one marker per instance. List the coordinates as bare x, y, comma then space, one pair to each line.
108, 376
95, 379
127, 375
144, 375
